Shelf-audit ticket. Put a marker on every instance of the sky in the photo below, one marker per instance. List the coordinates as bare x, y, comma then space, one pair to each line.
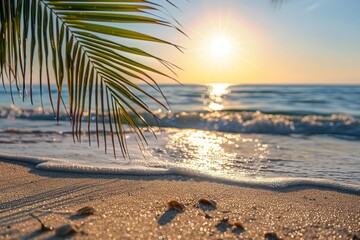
256, 42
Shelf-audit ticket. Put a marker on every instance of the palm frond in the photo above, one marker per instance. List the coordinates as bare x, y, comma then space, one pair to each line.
74, 43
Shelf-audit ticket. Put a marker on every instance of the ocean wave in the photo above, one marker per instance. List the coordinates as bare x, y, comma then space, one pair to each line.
263, 123
227, 121
277, 183
16, 131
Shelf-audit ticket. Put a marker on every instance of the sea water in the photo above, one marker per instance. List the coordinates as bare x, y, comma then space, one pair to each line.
272, 136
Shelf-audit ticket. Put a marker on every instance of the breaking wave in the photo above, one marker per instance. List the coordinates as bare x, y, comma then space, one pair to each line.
227, 121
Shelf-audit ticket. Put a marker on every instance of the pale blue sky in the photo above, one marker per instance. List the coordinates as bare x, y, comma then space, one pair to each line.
303, 41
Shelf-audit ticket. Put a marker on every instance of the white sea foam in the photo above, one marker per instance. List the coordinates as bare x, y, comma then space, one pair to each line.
276, 183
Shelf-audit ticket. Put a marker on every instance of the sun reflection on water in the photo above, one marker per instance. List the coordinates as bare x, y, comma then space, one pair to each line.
200, 150
212, 152
216, 93
216, 153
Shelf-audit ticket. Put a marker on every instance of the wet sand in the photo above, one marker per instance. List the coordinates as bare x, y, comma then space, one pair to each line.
137, 208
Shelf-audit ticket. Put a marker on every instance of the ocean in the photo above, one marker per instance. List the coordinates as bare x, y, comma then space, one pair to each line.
271, 136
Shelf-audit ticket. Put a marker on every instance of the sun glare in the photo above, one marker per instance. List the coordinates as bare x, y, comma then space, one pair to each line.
221, 46
216, 92
219, 52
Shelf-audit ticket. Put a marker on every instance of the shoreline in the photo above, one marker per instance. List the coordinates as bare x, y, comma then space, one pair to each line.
135, 207
268, 183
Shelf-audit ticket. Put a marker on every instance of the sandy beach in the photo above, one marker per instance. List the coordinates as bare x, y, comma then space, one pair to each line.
149, 119
137, 208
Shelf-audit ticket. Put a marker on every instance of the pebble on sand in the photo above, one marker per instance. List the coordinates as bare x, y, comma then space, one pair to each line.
173, 204
206, 204
86, 211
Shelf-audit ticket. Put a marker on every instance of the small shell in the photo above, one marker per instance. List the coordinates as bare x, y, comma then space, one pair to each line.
173, 204
86, 211
239, 225
67, 229
271, 236
207, 203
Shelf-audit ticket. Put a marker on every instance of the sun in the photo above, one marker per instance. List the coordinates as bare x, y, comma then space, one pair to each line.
220, 46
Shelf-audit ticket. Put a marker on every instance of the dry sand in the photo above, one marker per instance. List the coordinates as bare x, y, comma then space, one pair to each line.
136, 208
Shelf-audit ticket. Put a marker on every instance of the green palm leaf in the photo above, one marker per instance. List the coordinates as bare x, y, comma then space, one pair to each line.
73, 43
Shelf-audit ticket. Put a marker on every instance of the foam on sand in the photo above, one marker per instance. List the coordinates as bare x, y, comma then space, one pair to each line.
277, 183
